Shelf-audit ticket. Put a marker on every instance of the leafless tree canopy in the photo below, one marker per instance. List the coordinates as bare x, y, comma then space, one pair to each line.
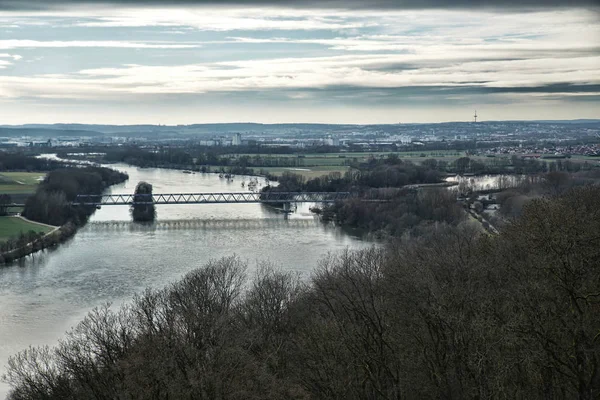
451, 314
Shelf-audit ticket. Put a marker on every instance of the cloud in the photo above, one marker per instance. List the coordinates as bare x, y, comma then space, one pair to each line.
287, 19
298, 56
462, 51
6, 63
15, 57
460, 72
216, 19
322, 4
17, 44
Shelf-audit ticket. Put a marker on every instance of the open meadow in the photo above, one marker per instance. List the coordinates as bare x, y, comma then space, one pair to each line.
19, 182
13, 226
306, 172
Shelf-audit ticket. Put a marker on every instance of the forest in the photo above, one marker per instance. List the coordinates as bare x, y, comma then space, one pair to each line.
23, 162
50, 203
452, 314
250, 159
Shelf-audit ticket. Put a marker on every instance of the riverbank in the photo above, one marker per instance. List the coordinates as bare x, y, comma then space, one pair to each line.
29, 244
49, 218
13, 226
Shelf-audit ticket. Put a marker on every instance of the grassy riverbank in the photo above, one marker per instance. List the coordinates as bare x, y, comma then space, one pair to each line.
14, 226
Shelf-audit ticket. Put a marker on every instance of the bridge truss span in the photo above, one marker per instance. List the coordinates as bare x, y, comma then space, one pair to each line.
211, 198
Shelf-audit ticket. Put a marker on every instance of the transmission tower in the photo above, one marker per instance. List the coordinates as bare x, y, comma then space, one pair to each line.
475, 116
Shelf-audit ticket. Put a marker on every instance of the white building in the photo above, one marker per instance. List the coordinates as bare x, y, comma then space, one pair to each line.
332, 141
237, 140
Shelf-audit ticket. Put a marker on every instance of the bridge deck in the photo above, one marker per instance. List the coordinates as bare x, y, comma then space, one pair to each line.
210, 198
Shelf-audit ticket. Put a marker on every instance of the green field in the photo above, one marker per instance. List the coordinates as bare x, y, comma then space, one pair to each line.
307, 172
582, 159
13, 226
28, 178
311, 161
19, 182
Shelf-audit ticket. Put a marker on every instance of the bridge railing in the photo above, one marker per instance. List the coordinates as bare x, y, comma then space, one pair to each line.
211, 198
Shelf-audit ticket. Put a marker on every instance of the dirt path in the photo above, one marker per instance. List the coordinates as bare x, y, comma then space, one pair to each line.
38, 223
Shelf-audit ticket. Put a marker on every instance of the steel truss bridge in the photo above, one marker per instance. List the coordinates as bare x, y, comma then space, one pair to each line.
210, 198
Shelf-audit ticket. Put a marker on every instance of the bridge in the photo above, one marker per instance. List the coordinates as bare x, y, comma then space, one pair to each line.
210, 198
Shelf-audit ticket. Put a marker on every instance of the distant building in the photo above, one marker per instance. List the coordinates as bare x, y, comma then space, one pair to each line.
332, 141
237, 140
41, 144
405, 139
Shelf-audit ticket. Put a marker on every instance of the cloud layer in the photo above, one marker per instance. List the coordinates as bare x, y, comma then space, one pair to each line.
323, 4
301, 62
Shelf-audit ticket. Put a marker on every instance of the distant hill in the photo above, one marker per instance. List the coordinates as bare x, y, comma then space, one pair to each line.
45, 132
200, 130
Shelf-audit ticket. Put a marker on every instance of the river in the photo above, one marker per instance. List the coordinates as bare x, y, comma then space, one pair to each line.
487, 182
111, 259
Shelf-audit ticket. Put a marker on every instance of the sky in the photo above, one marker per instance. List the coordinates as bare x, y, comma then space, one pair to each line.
383, 61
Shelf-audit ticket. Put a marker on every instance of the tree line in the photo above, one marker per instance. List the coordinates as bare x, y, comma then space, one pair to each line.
451, 314
389, 172
20, 161
50, 204
246, 156
392, 208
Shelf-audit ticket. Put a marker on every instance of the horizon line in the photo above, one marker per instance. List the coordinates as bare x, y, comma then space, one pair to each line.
304, 123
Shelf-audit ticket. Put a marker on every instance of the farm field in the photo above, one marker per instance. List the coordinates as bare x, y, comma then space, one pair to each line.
13, 226
28, 178
19, 182
307, 172
589, 159
342, 159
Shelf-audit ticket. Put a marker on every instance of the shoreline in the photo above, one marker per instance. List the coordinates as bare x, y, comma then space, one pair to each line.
58, 235
49, 240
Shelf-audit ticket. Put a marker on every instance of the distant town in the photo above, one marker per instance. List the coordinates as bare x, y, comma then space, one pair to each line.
534, 139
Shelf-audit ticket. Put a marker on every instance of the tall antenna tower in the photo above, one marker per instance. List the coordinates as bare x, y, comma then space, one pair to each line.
475, 116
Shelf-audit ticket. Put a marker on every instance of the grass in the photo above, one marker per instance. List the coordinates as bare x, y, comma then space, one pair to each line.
16, 189
28, 178
19, 182
582, 159
340, 159
13, 226
307, 172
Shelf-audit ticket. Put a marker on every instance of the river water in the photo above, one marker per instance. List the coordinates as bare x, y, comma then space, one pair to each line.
487, 182
111, 259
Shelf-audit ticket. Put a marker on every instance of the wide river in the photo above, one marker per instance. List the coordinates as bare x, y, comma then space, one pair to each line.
111, 259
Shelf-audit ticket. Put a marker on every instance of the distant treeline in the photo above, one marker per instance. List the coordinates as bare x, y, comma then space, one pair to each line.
406, 209
204, 155
50, 202
403, 211
250, 160
20, 161
451, 314
513, 199
389, 172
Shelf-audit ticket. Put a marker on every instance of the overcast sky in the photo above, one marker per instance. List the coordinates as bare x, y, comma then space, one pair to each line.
284, 61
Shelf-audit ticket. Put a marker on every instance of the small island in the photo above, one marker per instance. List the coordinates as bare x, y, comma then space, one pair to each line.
143, 209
